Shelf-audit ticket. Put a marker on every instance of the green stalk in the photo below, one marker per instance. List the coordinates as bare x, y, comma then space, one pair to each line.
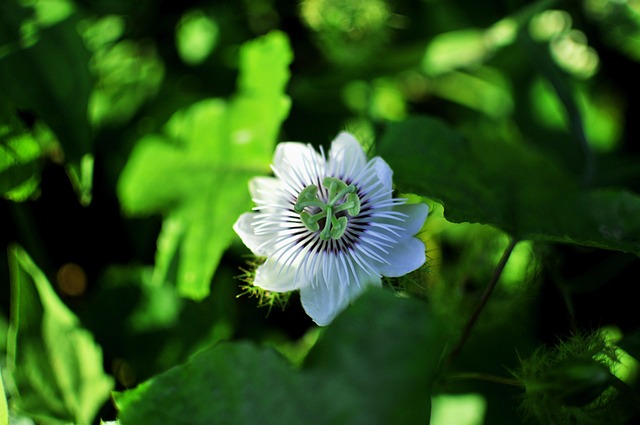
483, 300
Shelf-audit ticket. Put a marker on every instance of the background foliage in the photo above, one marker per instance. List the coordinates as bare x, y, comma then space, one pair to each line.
129, 131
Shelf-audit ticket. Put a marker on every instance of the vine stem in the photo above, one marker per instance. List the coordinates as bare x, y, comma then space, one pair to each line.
483, 300
485, 377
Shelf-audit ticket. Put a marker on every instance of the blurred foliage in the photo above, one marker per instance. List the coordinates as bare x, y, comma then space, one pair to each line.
53, 363
4, 412
44, 69
129, 131
20, 160
200, 179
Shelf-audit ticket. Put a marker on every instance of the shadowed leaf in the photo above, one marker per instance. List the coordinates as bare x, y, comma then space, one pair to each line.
510, 185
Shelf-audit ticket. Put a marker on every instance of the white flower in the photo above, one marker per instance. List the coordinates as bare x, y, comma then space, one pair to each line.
329, 227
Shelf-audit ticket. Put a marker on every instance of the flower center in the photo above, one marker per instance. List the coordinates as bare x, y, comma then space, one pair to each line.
342, 201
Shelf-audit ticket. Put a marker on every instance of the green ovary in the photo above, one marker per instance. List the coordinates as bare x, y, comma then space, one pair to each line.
332, 215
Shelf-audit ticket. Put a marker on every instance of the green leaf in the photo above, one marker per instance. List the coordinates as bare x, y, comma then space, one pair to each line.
229, 384
196, 173
374, 365
196, 36
20, 160
4, 327
377, 361
55, 364
128, 72
618, 25
21, 155
510, 185
4, 412
44, 68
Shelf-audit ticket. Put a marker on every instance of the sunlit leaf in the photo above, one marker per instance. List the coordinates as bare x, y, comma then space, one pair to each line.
55, 364
128, 73
353, 375
486, 91
469, 47
565, 96
4, 412
457, 49
510, 185
196, 36
349, 33
619, 24
20, 160
601, 112
458, 409
196, 173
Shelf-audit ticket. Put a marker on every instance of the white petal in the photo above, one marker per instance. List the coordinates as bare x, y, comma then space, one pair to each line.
376, 181
297, 164
407, 223
405, 257
366, 281
266, 191
383, 172
417, 214
325, 300
346, 155
256, 243
272, 276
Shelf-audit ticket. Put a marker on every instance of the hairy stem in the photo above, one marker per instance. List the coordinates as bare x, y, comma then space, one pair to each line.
483, 300
484, 377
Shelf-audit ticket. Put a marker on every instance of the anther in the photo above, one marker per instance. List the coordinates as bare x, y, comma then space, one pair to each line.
334, 227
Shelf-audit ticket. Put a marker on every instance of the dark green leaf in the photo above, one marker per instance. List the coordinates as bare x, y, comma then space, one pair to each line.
377, 361
374, 365
54, 363
510, 185
229, 384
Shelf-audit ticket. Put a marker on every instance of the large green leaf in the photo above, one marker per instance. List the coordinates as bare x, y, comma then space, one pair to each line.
196, 173
510, 185
374, 365
378, 361
229, 384
54, 363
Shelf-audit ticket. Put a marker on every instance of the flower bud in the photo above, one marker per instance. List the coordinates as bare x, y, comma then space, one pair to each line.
573, 382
